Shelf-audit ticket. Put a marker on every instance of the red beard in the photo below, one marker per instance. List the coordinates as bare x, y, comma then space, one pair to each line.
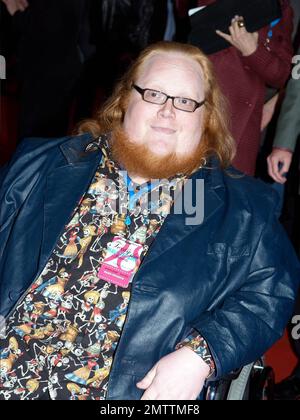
138, 160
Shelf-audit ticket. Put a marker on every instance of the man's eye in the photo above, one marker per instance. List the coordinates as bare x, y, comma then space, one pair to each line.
154, 94
185, 101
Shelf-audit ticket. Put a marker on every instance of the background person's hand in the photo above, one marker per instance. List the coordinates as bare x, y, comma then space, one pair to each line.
240, 38
14, 6
178, 376
279, 163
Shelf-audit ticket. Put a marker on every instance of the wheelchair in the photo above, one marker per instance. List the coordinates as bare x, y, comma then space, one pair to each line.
254, 382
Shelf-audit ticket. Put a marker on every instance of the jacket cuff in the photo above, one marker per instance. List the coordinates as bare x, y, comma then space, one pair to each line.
285, 149
196, 342
260, 58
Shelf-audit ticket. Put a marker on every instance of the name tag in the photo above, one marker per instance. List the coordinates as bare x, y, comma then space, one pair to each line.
121, 262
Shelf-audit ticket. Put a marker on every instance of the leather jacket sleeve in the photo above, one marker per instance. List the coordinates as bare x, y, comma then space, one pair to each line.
252, 319
3, 170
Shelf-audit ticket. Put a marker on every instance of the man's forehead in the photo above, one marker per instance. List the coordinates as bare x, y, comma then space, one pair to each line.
169, 61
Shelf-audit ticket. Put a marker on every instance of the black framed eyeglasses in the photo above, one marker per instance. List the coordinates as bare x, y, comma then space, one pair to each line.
160, 98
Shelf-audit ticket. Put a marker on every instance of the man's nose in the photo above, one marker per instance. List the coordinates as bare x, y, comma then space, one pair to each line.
167, 109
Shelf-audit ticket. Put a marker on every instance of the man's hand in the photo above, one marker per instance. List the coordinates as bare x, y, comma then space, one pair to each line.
240, 38
14, 6
279, 157
268, 111
178, 376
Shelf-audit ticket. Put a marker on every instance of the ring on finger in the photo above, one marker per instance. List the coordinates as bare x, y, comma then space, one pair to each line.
241, 23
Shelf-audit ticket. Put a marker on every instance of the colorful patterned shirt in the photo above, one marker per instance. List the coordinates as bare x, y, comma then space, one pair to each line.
62, 337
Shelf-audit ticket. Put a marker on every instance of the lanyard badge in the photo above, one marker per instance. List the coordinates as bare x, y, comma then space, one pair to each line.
121, 262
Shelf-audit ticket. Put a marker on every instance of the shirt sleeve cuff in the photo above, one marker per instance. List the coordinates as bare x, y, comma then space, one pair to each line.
196, 342
285, 149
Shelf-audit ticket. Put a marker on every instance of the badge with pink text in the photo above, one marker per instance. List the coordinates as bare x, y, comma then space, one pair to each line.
121, 262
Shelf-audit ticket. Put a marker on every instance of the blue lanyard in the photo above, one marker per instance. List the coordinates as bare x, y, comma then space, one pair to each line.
134, 196
272, 25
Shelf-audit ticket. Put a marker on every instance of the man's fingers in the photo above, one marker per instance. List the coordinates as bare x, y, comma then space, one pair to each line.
274, 172
11, 6
148, 379
146, 383
14, 6
225, 36
22, 5
279, 163
286, 166
236, 29
271, 168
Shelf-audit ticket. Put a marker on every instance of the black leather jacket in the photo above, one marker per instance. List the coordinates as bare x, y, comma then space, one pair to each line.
233, 278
